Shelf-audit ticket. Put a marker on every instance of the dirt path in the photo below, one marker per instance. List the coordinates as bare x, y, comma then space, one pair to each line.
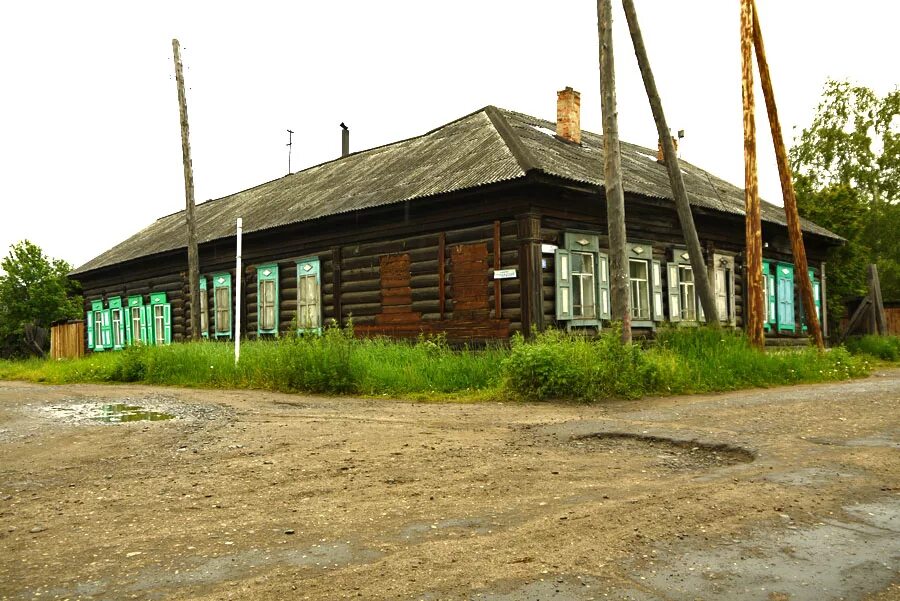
781, 494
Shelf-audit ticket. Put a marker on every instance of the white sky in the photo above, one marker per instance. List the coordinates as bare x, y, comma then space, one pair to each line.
91, 148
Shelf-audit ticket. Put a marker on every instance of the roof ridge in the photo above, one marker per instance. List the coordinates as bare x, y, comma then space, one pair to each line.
522, 155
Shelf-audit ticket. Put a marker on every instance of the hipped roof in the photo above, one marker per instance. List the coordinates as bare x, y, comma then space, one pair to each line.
488, 146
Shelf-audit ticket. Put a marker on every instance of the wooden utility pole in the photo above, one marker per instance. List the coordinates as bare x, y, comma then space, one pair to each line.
612, 174
753, 277
787, 186
193, 255
698, 265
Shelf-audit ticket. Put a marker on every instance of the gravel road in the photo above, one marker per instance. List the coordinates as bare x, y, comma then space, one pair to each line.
776, 495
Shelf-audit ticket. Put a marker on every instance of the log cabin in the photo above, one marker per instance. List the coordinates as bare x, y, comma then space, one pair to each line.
491, 224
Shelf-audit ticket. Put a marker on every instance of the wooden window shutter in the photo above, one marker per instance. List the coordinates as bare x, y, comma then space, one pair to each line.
267, 299
309, 296
784, 283
603, 301
656, 281
146, 318
222, 305
674, 292
167, 322
106, 328
89, 327
563, 270
204, 309
771, 297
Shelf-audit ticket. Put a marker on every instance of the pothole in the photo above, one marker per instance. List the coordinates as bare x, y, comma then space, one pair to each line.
123, 410
666, 453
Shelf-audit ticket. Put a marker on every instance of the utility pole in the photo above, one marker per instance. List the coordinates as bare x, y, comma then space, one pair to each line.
612, 174
753, 278
290, 144
787, 186
193, 255
679, 193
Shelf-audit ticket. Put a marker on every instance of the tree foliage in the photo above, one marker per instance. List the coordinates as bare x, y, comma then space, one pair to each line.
847, 177
34, 291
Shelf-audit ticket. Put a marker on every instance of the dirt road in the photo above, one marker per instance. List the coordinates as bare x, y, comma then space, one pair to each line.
781, 494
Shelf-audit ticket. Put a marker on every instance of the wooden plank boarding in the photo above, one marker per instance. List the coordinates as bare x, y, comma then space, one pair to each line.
787, 185
497, 289
754, 298
442, 276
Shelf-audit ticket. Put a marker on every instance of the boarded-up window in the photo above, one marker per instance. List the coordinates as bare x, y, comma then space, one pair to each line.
267, 305
223, 310
137, 314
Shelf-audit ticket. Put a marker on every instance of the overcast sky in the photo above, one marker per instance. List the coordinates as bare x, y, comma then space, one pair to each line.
91, 148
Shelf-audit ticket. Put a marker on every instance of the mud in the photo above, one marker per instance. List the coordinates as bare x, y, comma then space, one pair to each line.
781, 494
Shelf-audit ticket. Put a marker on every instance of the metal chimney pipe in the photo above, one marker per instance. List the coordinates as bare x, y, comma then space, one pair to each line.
345, 140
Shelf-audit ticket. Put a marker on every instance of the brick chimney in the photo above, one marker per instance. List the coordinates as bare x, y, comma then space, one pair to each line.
568, 115
660, 153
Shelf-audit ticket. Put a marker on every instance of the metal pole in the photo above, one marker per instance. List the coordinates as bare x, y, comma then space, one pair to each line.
238, 294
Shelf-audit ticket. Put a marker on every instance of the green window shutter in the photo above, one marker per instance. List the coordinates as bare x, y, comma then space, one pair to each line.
267, 299
674, 292
167, 322
817, 298
603, 284
563, 270
656, 282
146, 320
769, 290
222, 304
89, 326
784, 286
106, 329
204, 309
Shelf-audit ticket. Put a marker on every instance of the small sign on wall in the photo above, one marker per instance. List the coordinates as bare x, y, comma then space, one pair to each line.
504, 274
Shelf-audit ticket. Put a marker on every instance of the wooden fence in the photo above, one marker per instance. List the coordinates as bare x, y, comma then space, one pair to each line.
67, 340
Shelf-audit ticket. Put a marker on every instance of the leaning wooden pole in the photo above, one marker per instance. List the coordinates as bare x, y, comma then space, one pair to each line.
753, 278
612, 175
787, 187
193, 255
682, 205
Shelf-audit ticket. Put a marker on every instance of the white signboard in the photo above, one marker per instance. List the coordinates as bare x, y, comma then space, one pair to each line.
504, 274
548, 249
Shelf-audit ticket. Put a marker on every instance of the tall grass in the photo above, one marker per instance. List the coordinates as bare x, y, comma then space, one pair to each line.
555, 365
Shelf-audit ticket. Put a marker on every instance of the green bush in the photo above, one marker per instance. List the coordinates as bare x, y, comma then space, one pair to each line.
886, 348
557, 365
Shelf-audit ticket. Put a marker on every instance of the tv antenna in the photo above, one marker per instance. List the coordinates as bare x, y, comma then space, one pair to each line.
289, 145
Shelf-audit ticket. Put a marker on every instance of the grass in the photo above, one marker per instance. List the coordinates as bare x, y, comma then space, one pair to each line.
555, 365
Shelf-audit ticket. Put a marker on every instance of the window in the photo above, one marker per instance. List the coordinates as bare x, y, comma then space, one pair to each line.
817, 298
582, 280
723, 287
687, 295
309, 304
222, 304
135, 325
94, 326
160, 327
638, 271
267, 299
204, 309
583, 291
117, 318
645, 287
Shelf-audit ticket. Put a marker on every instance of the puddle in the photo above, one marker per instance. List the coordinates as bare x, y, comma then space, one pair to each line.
671, 454
834, 559
120, 412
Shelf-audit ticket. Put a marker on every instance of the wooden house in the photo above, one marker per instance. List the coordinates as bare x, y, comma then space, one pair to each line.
491, 224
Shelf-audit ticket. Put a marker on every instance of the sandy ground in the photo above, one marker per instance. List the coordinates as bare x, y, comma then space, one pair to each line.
780, 494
